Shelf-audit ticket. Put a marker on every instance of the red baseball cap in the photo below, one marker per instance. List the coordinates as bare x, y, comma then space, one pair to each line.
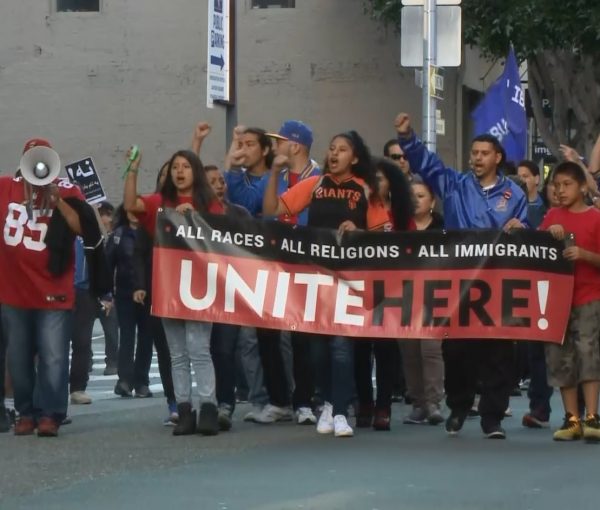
36, 142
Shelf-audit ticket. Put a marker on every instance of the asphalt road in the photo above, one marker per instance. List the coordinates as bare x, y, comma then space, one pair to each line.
117, 455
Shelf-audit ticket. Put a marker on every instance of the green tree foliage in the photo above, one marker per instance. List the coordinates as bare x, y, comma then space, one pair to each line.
560, 39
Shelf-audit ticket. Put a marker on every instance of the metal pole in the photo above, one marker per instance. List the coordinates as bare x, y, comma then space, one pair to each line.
231, 113
429, 62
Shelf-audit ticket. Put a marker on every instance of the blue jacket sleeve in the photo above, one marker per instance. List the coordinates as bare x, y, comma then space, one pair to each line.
242, 191
429, 166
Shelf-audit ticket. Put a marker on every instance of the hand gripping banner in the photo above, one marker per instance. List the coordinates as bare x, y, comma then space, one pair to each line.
440, 285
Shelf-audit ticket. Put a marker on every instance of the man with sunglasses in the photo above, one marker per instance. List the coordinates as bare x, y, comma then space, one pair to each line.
393, 151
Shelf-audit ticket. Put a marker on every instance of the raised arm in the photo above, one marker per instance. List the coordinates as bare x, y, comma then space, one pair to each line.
232, 158
201, 131
272, 205
131, 202
594, 164
427, 164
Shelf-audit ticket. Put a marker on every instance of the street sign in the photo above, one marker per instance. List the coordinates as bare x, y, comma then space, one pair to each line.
84, 174
448, 36
218, 55
440, 123
436, 82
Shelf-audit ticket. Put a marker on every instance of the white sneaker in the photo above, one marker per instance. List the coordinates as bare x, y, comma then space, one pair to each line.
271, 414
305, 416
341, 427
80, 398
325, 423
253, 413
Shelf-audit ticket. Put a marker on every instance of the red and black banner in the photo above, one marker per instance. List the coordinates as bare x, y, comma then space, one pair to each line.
457, 284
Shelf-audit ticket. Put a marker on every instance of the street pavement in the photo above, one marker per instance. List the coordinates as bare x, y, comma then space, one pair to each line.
117, 455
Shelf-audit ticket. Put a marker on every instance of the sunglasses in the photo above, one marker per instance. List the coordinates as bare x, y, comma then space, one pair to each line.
397, 157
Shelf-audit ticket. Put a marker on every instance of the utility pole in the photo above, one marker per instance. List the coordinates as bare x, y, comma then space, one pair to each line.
429, 68
430, 39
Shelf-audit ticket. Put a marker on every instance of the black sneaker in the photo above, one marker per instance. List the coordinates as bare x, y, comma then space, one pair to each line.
454, 423
186, 424
208, 420
494, 431
4, 420
122, 389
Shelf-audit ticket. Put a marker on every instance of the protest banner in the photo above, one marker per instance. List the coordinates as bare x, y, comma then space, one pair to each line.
457, 284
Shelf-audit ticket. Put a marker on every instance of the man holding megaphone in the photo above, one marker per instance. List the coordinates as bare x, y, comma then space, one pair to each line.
40, 215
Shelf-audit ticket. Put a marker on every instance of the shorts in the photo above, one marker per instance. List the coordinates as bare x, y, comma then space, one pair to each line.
578, 358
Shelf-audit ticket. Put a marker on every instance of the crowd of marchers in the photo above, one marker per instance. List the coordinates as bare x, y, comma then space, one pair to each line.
66, 264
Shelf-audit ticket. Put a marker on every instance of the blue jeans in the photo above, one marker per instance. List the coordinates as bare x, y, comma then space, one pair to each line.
253, 370
334, 370
40, 389
189, 345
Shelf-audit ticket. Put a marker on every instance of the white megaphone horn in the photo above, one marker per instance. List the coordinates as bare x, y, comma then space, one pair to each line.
40, 165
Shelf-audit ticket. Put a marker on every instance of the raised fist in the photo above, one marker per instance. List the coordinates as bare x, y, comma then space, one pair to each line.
202, 130
238, 131
135, 163
402, 124
237, 157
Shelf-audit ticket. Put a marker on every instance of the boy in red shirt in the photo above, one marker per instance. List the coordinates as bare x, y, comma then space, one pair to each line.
577, 360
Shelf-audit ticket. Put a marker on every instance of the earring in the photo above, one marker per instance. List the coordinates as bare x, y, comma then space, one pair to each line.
431, 210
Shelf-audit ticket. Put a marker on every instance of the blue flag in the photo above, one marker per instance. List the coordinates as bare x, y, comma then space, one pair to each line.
502, 112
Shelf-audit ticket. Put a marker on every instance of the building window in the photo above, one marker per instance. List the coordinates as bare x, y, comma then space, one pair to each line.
264, 4
77, 5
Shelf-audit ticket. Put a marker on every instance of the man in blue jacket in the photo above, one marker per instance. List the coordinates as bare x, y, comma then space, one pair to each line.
479, 199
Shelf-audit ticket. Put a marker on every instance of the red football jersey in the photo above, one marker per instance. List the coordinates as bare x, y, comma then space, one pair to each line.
26, 281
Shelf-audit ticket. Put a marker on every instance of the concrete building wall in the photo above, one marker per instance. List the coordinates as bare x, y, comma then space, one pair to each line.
95, 83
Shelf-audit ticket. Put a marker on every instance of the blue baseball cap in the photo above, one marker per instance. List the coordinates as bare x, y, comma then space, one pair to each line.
294, 131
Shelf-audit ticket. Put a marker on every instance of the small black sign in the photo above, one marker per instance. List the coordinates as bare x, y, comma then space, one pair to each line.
84, 174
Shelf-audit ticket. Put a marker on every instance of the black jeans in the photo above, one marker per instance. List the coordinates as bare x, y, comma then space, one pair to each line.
273, 366
488, 361
85, 311
223, 342
132, 315
162, 354
303, 370
276, 382
539, 392
384, 351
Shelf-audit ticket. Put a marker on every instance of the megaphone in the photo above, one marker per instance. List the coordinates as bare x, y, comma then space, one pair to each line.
40, 165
